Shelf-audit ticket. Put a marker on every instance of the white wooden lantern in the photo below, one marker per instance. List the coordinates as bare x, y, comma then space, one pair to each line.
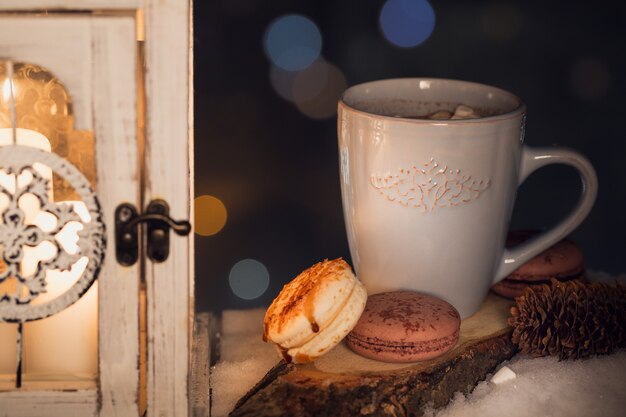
95, 164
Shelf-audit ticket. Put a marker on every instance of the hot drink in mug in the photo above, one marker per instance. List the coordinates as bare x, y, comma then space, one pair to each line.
427, 196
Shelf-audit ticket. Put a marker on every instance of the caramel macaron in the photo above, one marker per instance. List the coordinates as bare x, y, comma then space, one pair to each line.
563, 261
405, 326
315, 311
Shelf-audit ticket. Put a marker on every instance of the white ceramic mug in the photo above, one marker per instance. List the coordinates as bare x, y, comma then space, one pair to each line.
427, 203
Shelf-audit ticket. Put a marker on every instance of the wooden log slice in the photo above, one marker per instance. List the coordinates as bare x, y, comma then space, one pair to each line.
343, 383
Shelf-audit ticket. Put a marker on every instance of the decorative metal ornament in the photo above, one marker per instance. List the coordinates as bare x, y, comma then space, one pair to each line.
17, 306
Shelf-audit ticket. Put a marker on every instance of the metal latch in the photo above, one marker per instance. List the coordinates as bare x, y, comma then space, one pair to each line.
158, 225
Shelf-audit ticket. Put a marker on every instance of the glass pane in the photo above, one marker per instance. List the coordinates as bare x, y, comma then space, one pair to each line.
36, 111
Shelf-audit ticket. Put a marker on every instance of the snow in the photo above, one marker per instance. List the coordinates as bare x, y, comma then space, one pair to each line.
244, 358
547, 387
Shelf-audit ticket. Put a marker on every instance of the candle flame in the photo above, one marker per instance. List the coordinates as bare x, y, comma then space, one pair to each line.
6, 90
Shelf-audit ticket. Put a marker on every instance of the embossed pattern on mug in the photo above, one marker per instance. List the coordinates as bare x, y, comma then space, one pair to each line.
429, 188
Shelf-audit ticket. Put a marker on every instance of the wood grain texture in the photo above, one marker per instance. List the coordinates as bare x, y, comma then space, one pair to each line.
115, 104
343, 383
52, 382
81, 403
68, 4
200, 354
168, 176
48, 395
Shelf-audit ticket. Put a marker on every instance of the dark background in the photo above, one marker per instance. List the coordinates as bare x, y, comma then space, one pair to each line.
276, 170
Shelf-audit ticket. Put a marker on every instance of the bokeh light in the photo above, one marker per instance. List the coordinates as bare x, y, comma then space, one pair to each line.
210, 215
282, 82
248, 279
324, 104
590, 78
407, 23
310, 82
292, 42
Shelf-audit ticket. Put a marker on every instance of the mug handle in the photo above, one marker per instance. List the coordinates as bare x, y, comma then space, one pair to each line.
533, 159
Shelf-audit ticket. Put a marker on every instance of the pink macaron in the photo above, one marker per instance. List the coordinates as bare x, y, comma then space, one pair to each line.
405, 326
563, 261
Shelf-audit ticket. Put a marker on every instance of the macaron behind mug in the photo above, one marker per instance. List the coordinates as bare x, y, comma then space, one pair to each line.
563, 261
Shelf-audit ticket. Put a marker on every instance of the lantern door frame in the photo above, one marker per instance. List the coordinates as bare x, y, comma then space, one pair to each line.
108, 82
96, 58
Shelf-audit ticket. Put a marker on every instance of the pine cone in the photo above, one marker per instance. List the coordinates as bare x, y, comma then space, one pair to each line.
570, 320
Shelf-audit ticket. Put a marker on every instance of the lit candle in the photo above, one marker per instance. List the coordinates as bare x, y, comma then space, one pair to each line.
65, 343
8, 331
